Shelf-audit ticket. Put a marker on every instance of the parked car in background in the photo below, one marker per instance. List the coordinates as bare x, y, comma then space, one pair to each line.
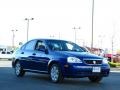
6, 55
109, 56
59, 59
116, 58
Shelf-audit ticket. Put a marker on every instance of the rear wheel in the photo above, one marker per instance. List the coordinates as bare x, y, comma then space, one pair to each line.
55, 73
95, 78
19, 70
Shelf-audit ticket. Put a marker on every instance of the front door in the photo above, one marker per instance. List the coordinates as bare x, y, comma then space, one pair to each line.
39, 57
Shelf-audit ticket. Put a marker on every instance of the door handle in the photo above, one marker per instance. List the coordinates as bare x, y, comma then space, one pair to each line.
22, 52
34, 54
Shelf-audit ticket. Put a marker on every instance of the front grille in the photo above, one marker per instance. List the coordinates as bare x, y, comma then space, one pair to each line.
93, 62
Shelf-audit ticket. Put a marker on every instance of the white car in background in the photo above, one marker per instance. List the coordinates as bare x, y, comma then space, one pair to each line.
6, 55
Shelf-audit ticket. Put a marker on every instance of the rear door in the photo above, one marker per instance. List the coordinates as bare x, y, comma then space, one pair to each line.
27, 55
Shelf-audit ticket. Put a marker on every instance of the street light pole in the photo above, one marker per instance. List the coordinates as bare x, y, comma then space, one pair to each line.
75, 33
101, 37
59, 35
92, 24
28, 20
13, 37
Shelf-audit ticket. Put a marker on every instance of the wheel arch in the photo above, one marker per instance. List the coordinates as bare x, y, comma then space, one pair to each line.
51, 63
13, 63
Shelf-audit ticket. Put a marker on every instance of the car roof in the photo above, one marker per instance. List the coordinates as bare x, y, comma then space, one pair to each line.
44, 39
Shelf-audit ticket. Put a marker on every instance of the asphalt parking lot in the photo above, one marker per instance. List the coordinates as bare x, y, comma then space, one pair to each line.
8, 81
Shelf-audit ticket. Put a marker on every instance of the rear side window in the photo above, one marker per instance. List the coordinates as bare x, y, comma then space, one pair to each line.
29, 46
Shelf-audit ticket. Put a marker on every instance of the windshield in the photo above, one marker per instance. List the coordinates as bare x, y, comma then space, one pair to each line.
59, 45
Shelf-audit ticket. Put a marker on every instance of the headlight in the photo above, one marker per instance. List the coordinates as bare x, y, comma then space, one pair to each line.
73, 60
105, 61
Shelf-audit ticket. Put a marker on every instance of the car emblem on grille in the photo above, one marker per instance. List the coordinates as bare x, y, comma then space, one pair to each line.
94, 62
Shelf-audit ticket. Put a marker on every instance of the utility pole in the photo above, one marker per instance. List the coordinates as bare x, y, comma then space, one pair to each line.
59, 35
28, 21
92, 37
112, 48
13, 38
75, 32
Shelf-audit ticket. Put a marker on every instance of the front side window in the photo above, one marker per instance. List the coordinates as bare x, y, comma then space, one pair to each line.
40, 46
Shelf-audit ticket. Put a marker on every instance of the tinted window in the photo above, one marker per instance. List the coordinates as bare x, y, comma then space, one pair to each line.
59, 45
39, 45
29, 46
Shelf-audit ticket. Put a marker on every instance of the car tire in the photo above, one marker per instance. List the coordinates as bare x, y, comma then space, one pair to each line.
56, 74
19, 70
95, 79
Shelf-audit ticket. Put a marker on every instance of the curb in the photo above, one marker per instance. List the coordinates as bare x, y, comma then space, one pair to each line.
117, 69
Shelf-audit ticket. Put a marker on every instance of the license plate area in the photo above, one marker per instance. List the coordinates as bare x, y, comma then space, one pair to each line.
96, 69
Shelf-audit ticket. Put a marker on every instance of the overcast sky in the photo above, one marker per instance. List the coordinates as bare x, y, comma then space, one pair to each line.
58, 17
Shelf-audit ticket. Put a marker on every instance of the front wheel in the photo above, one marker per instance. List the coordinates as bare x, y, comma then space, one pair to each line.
55, 73
95, 78
18, 70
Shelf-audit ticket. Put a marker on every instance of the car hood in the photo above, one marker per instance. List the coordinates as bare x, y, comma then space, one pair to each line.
81, 55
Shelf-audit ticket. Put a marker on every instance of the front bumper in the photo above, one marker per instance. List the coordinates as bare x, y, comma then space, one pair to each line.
86, 71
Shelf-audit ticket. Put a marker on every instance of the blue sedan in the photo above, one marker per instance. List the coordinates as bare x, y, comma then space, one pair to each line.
59, 59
